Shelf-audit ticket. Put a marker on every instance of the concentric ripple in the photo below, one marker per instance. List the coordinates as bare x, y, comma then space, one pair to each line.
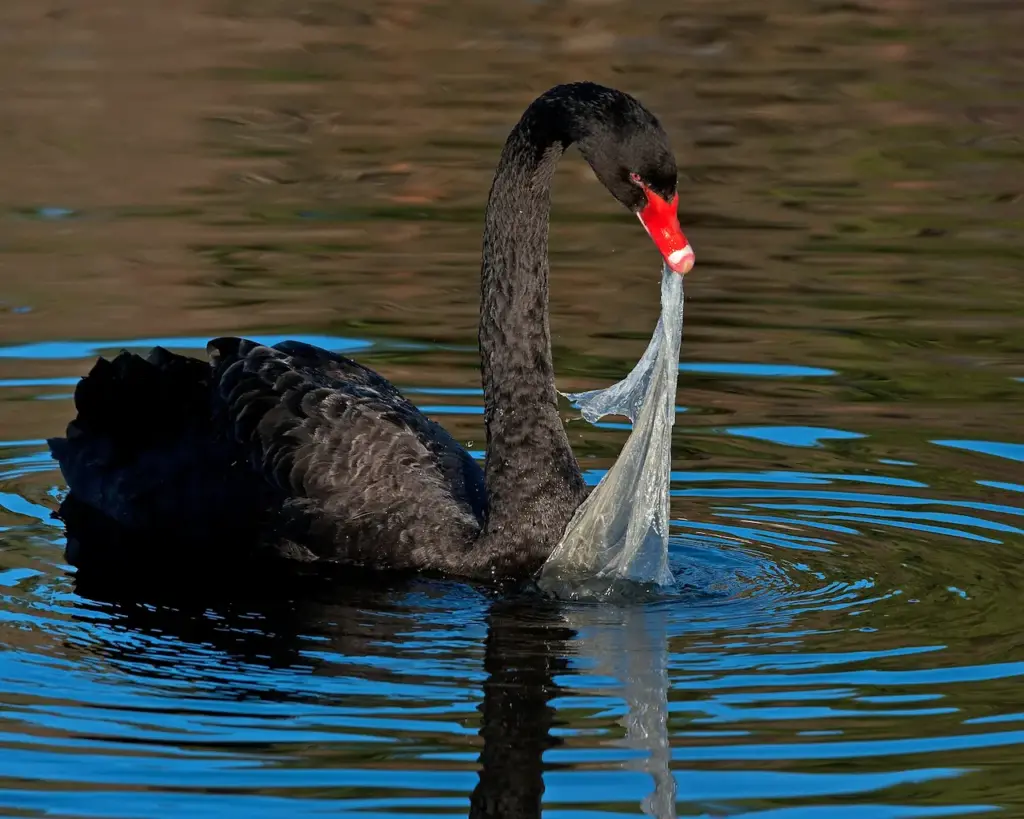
840, 643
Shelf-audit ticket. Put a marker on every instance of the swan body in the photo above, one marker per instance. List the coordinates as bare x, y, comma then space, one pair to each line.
291, 451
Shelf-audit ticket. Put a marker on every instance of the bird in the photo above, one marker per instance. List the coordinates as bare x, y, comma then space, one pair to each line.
301, 456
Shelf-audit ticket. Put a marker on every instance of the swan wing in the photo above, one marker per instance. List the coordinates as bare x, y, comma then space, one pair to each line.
365, 476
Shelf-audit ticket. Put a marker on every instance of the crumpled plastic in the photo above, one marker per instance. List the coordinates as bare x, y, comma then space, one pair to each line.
619, 534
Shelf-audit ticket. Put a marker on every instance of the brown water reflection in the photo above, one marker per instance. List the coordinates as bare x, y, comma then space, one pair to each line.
853, 185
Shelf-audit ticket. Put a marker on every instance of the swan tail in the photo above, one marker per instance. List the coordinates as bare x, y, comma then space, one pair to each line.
130, 394
140, 456
126, 407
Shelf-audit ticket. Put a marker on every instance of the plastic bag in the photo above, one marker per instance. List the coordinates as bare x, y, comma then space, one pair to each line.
619, 534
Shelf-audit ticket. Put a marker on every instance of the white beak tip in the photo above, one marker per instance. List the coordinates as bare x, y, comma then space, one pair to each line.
681, 261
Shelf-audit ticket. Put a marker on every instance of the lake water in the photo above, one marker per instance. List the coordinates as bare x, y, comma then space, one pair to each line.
848, 486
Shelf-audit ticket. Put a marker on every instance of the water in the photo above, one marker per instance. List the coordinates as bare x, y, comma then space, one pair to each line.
848, 479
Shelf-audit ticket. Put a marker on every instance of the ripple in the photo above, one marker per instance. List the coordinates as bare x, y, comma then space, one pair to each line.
755, 370
794, 436
1012, 452
90, 349
815, 650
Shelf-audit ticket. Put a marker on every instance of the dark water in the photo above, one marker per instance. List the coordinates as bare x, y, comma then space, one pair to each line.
849, 484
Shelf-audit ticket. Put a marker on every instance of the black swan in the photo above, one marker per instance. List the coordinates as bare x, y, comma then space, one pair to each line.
293, 451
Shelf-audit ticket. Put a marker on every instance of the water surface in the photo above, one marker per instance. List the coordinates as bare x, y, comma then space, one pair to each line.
848, 484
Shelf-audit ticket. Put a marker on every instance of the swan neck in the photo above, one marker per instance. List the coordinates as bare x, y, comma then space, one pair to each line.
534, 483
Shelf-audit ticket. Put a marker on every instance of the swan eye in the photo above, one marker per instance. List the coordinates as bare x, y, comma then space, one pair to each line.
634, 177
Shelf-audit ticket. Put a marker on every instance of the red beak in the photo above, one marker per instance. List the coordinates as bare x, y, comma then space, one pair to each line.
661, 220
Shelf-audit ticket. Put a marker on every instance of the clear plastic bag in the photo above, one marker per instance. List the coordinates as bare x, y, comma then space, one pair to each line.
619, 534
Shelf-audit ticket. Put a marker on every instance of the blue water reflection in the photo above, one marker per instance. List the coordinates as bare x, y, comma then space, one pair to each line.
794, 436
773, 674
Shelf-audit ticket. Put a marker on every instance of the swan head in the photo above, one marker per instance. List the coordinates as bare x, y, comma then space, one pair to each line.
630, 153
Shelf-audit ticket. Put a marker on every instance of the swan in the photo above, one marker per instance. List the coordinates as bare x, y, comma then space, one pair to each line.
291, 451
